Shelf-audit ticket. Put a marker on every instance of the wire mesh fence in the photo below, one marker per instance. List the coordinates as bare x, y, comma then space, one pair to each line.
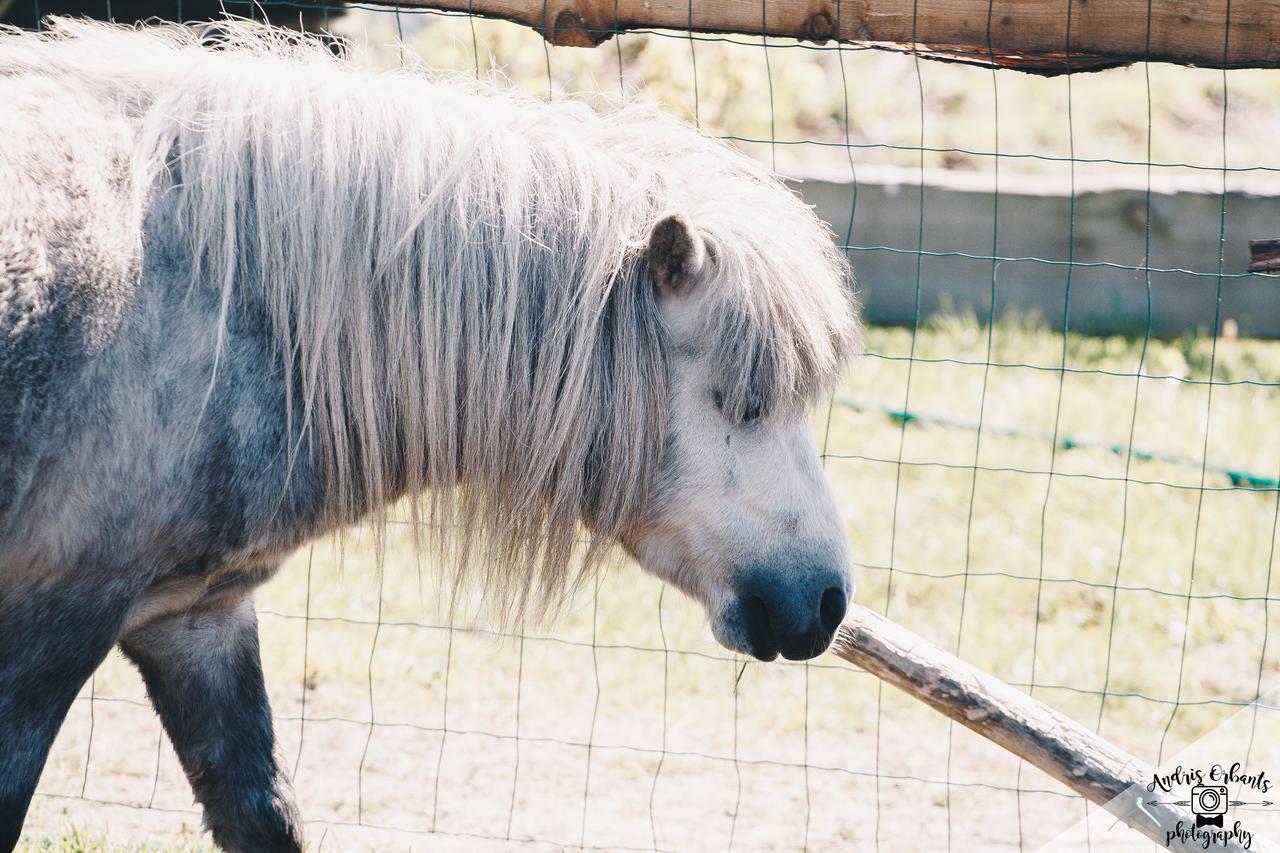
1091, 518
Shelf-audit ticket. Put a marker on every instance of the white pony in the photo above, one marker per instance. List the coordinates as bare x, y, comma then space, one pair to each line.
250, 294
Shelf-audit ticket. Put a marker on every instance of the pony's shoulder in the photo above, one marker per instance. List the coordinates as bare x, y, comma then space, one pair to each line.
54, 320
68, 258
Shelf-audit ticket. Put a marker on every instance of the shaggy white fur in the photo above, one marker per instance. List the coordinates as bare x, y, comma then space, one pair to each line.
456, 274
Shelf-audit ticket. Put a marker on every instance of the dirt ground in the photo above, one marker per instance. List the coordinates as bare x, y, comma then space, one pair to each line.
676, 786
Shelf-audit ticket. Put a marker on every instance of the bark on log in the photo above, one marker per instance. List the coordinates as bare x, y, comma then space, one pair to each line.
1041, 36
1062, 748
1264, 256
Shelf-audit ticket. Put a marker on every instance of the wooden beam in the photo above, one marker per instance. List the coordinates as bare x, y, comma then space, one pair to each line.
1041, 36
1061, 747
1264, 256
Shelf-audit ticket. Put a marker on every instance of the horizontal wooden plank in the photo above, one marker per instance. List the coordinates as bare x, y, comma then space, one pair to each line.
1041, 36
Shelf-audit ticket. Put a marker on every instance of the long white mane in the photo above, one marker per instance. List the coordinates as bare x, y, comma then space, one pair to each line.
456, 275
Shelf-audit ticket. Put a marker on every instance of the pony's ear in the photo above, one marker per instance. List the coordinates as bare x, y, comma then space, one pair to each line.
676, 254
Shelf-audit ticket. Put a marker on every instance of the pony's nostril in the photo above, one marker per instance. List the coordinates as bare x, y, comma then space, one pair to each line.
759, 632
832, 609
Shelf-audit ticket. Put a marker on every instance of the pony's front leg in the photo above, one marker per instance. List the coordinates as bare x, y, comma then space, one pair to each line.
204, 675
54, 631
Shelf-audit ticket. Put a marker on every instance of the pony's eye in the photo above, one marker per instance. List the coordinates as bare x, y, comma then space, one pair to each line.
749, 416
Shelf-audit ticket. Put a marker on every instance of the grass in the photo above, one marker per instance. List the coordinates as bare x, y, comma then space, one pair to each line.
74, 840
1020, 534
1069, 586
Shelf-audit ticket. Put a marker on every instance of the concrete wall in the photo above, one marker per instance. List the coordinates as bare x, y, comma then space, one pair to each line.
1034, 221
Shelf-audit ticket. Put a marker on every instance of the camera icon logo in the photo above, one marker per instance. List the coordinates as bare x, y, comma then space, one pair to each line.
1209, 803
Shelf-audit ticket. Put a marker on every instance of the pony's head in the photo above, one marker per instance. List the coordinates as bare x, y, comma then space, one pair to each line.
740, 515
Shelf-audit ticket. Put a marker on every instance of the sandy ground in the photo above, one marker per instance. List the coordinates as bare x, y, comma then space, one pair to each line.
650, 786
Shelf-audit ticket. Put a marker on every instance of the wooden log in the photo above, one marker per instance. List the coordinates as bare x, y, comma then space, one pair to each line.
1042, 36
1061, 747
1264, 256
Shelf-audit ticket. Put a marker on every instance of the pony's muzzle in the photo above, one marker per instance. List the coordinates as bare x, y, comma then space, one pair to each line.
794, 613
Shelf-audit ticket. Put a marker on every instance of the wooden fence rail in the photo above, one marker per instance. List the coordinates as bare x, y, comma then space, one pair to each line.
1040, 36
